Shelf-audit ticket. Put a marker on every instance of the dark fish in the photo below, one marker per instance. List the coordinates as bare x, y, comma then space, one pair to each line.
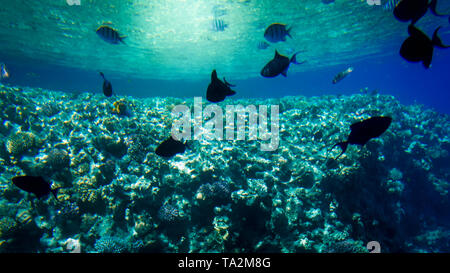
341, 75
413, 10
170, 147
217, 89
107, 87
278, 65
34, 184
277, 33
263, 45
110, 35
363, 131
327, 1
419, 48
218, 25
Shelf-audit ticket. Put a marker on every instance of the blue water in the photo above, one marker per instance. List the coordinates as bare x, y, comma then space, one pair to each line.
409, 82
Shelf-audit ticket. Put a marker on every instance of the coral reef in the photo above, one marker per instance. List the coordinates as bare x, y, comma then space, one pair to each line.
221, 196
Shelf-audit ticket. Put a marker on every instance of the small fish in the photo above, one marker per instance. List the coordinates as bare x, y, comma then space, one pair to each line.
327, 1
110, 35
341, 75
390, 5
419, 48
277, 33
170, 147
218, 25
413, 10
34, 184
3, 71
363, 131
263, 45
278, 65
217, 90
107, 87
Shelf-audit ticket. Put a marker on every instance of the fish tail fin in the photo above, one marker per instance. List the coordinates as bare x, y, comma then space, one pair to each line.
433, 10
343, 145
288, 32
121, 39
227, 83
101, 74
437, 40
294, 59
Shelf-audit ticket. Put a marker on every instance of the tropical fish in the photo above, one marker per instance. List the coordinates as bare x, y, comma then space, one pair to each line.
34, 184
3, 71
277, 33
278, 65
107, 87
110, 35
413, 10
170, 147
391, 4
218, 25
363, 131
341, 75
419, 48
218, 90
263, 45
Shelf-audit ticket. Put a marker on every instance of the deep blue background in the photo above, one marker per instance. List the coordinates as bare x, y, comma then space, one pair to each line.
409, 82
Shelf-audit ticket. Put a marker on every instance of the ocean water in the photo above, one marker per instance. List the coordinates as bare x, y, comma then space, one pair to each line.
220, 195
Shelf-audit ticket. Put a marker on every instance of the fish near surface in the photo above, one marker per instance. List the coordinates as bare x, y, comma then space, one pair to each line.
277, 33
34, 184
418, 47
363, 131
218, 90
109, 35
278, 65
413, 10
170, 147
107, 87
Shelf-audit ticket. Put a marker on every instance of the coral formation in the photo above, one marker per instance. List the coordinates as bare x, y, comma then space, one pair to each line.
222, 196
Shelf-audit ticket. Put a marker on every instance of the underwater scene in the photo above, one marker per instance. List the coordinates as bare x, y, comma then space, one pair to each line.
224, 126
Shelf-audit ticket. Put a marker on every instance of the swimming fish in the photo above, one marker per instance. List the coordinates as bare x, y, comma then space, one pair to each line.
419, 48
34, 184
363, 131
107, 87
110, 35
413, 10
3, 71
218, 25
218, 90
341, 75
391, 4
170, 147
277, 33
278, 65
263, 45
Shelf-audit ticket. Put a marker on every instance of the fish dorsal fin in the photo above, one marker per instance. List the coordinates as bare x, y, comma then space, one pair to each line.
415, 32
214, 75
277, 55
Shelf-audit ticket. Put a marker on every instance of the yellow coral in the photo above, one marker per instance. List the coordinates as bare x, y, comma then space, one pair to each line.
119, 107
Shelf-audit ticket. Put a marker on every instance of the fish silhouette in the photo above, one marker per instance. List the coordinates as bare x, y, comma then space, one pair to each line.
170, 147
419, 48
413, 10
363, 131
107, 87
277, 33
110, 35
34, 184
278, 65
218, 90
